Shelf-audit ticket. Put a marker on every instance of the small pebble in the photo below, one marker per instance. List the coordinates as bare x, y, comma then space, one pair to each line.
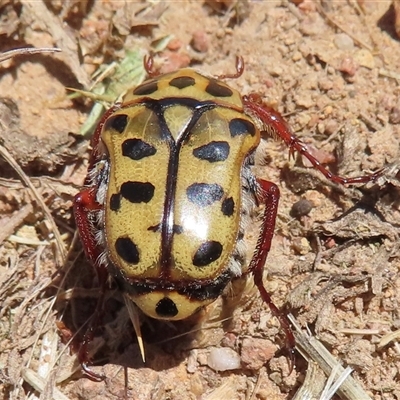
349, 66
174, 61
200, 42
297, 56
174, 44
343, 41
301, 208
331, 127
191, 366
304, 100
223, 359
394, 116
275, 69
325, 84
312, 25
256, 352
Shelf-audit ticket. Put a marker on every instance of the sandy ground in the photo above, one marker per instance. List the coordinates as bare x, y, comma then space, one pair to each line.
333, 70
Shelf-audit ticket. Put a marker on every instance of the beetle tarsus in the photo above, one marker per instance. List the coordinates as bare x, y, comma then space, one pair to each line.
148, 62
93, 376
239, 65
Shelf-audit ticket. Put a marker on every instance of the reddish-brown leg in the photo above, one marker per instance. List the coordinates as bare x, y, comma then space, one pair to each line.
269, 196
148, 62
239, 70
85, 202
275, 126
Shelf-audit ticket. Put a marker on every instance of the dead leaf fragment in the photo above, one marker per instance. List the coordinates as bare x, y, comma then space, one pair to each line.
358, 224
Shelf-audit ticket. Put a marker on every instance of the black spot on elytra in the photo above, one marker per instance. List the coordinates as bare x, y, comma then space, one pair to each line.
146, 89
136, 149
228, 206
204, 194
239, 126
166, 308
137, 192
117, 122
213, 151
127, 250
115, 201
182, 81
207, 253
214, 88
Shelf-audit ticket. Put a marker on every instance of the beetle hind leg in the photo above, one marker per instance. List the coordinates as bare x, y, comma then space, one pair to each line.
83, 353
84, 204
268, 195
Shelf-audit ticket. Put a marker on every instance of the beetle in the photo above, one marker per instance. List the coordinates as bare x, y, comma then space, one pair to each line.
169, 193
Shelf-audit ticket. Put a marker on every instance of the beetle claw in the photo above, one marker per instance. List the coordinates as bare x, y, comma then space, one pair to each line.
93, 376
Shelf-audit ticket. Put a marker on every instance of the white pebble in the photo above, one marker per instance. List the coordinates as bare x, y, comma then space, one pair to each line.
343, 41
223, 359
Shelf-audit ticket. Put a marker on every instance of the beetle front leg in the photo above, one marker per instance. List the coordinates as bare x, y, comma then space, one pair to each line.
269, 196
84, 203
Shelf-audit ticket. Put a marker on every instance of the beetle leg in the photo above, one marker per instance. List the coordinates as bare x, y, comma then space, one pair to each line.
85, 202
148, 63
276, 127
239, 70
83, 353
269, 196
